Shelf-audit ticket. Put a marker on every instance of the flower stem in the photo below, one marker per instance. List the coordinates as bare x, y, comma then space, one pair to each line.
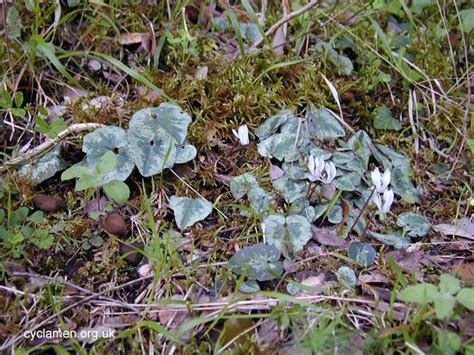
361, 211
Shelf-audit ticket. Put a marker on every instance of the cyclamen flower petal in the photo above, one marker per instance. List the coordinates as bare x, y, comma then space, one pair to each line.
242, 134
388, 197
380, 182
384, 203
330, 170
386, 179
315, 167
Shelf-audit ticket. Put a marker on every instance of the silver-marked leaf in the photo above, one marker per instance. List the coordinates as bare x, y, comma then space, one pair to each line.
279, 146
395, 239
414, 224
347, 181
403, 186
272, 124
291, 190
250, 286
322, 124
185, 153
346, 276
361, 253
45, 167
241, 185
335, 215
361, 144
288, 234
188, 211
258, 262
384, 120
152, 151
168, 117
250, 32
109, 139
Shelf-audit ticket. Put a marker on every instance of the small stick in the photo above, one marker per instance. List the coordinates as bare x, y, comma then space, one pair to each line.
286, 19
48, 144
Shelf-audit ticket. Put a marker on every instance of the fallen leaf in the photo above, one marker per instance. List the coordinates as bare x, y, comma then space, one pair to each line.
465, 271
276, 172
463, 227
373, 277
327, 237
136, 37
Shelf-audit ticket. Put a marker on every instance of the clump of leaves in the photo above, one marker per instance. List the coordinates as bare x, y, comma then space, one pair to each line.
88, 179
19, 226
444, 296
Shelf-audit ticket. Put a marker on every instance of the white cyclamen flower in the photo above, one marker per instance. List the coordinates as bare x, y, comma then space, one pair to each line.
384, 203
315, 167
329, 173
242, 134
381, 182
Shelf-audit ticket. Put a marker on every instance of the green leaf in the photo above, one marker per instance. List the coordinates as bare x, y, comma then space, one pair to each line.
42, 239
56, 127
448, 343
87, 182
422, 293
44, 168
449, 284
322, 124
14, 23
19, 216
2, 215
291, 190
37, 217
346, 276
414, 224
258, 262
109, 139
75, 171
385, 120
288, 234
444, 304
188, 211
48, 52
106, 164
363, 254
117, 191
467, 19
466, 298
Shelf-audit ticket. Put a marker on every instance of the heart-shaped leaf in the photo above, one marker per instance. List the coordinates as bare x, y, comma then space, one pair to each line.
152, 150
414, 224
385, 120
288, 234
271, 125
395, 239
466, 298
363, 254
167, 117
449, 284
322, 124
188, 211
346, 276
117, 191
157, 138
421, 293
259, 262
109, 139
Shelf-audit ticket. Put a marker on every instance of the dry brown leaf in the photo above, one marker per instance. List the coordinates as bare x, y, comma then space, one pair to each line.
327, 237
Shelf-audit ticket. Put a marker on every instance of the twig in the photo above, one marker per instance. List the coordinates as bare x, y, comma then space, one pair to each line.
286, 19
361, 212
47, 145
